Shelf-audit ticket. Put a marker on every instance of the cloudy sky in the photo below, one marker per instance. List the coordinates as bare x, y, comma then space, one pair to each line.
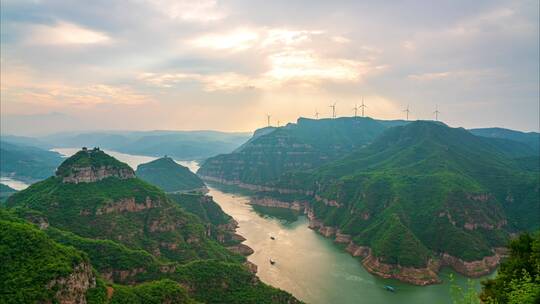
163, 64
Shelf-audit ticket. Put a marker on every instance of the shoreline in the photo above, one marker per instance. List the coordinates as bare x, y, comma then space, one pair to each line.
416, 276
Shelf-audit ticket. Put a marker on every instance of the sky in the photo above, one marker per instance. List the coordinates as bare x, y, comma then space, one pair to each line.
225, 65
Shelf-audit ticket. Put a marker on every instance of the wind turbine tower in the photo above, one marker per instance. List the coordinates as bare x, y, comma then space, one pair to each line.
316, 114
407, 111
363, 106
355, 110
437, 112
268, 119
333, 110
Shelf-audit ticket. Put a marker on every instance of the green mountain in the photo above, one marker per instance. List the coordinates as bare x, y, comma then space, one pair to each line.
26, 162
169, 175
531, 139
421, 193
133, 233
302, 146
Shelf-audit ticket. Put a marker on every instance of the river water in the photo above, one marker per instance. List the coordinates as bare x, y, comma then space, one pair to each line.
309, 266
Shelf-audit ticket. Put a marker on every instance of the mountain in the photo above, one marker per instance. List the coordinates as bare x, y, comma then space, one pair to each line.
144, 247
419, 197
169, 175
302, 146
183, 145
26, 162
531, 139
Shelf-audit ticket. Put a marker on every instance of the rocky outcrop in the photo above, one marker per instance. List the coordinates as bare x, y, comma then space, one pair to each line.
91, 174
271, 202
72, 289
251, 267
473, 268
416, 276
125, 205
241, 249
254, 187
121, 276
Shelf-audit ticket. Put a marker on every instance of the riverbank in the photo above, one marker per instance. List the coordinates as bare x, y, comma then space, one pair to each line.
417, 276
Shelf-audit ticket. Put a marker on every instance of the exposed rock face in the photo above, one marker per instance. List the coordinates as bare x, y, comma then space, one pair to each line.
416, 276
251, 267
125, 205
270, 202
72, 289
473, 268
121, 276
91, 174
242, 249
254, 187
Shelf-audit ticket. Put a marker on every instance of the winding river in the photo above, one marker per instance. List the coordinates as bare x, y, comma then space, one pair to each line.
309, 266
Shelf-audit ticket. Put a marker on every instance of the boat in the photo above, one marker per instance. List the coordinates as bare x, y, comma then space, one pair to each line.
272, 238
272, 262
389, 288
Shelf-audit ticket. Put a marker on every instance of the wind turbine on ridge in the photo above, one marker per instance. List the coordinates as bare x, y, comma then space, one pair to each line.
407, 111
363, 106
268, 119
333, 110
437, 112
316, 114
355, 110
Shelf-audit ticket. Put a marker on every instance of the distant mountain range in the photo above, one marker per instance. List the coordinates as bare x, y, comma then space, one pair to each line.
27, 163
181, 145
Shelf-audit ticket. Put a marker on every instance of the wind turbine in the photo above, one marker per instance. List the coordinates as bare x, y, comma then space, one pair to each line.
268, 119
333, 110
355, 110
437, 112
407, 111
316, 114
363, 106
278, 123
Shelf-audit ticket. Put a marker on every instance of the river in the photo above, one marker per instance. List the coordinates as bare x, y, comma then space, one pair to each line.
309, 266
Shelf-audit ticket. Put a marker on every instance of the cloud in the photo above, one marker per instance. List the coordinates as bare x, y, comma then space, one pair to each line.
64, 33
189, 11
237, 40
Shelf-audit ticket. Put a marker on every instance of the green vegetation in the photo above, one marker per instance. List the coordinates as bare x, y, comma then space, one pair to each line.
94, 158
423, 189
169, 176
26, 162
156, 292
301, 146
132, 233
30, 260
219, 282
518, 278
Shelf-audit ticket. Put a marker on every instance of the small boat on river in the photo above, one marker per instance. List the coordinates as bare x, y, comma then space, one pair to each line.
389, 288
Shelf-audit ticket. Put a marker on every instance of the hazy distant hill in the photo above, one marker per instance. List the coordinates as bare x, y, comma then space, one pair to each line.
131, 232
27, 162
168, 175
420, 191
305, 145
183, 145
531, 139
5, 192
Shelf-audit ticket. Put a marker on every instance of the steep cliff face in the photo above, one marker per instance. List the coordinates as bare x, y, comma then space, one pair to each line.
72, 289
88, 166
305, 145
